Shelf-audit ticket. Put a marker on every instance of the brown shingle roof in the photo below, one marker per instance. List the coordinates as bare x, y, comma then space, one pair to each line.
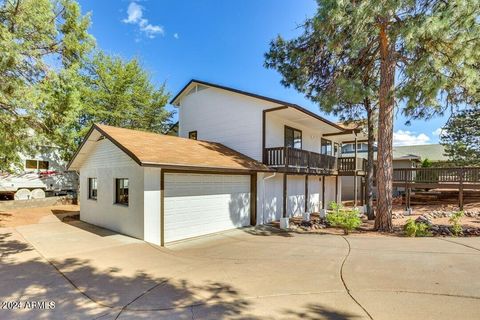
152, 149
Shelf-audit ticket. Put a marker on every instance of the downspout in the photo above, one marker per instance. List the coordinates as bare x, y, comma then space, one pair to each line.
264, 197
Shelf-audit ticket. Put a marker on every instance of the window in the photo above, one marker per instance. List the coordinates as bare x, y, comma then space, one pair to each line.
43, 165
36, 164
192, 135
31, 164
293, 138
121, 191
92, 188
326, 147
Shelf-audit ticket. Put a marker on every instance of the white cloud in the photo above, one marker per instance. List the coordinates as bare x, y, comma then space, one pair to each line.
176, 36
135, 16
407, 138
437, 132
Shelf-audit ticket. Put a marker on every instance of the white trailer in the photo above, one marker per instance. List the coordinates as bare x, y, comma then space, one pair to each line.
42, 175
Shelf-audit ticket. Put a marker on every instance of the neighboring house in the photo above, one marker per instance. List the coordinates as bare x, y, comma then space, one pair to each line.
403, 157
240, 159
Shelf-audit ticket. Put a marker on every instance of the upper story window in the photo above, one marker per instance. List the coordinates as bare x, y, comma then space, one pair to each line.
192, 135
92, 188
121, 191
326, 147
36, 164
293, 138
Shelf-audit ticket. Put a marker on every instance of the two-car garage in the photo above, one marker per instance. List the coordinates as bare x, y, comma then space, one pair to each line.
199, 204
171, 188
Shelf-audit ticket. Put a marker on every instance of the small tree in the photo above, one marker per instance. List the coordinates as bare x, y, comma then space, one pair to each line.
347, 220
461, 137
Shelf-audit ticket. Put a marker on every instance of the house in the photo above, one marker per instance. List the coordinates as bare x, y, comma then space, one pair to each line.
403, 157
240, 159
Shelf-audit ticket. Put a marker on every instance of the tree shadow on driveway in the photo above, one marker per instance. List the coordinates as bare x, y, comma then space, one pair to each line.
319, 312
82, 291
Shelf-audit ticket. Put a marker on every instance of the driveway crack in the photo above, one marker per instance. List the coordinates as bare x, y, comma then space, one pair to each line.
345, 284
460, 244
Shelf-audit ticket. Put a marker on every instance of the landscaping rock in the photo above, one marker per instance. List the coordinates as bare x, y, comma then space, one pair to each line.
398, 216
424, 219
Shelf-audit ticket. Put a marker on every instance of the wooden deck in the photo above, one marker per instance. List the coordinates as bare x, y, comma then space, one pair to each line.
460, 178
297, 161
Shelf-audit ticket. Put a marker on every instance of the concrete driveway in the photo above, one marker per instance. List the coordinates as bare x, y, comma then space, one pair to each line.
92, 273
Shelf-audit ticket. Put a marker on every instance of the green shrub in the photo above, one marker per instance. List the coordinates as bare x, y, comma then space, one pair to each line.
347, 220
455, 221
414, 229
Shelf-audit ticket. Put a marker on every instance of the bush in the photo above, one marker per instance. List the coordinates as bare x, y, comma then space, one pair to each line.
347, 220
455, 221
414, 229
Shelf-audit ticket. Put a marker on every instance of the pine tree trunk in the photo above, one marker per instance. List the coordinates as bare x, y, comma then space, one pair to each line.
383, 220
370, 160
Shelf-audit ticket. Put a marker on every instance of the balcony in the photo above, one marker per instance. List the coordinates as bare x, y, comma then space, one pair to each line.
299, 160
302, 161
350, 165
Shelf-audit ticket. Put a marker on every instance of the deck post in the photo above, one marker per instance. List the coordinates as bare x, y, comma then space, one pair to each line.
355, 182
362, 191
323, 192
306, 193
460, 191
336, 188
284, 213
409, 192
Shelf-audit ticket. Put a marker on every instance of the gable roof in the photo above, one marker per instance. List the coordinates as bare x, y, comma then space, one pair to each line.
177, 97
152, 149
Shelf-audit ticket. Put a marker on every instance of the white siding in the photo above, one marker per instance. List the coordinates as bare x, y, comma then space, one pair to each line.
330, 191
106, 163
270, 196
152, 205
273, 199
232, 119
296, 195
199, 204
314, 194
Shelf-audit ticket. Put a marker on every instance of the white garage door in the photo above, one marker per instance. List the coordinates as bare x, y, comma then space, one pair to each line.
199, 204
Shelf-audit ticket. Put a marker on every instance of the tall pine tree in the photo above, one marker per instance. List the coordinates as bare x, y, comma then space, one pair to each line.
426, 54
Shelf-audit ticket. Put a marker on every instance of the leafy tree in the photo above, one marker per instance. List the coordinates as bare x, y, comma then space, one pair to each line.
321, 64
118, 93
428, 53
461, 137
43, 45
52, 88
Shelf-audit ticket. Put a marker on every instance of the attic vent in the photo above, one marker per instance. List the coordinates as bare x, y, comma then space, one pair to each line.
196, 88
101, 138
193, 90
201, 87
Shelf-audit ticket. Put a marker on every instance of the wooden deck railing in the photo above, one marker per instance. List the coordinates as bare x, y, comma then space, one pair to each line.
437, 175
291, 157
352, 164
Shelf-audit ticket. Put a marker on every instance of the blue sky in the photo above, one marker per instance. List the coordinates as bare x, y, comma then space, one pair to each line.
219, 41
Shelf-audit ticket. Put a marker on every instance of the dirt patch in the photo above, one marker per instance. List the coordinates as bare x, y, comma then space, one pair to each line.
24, 216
